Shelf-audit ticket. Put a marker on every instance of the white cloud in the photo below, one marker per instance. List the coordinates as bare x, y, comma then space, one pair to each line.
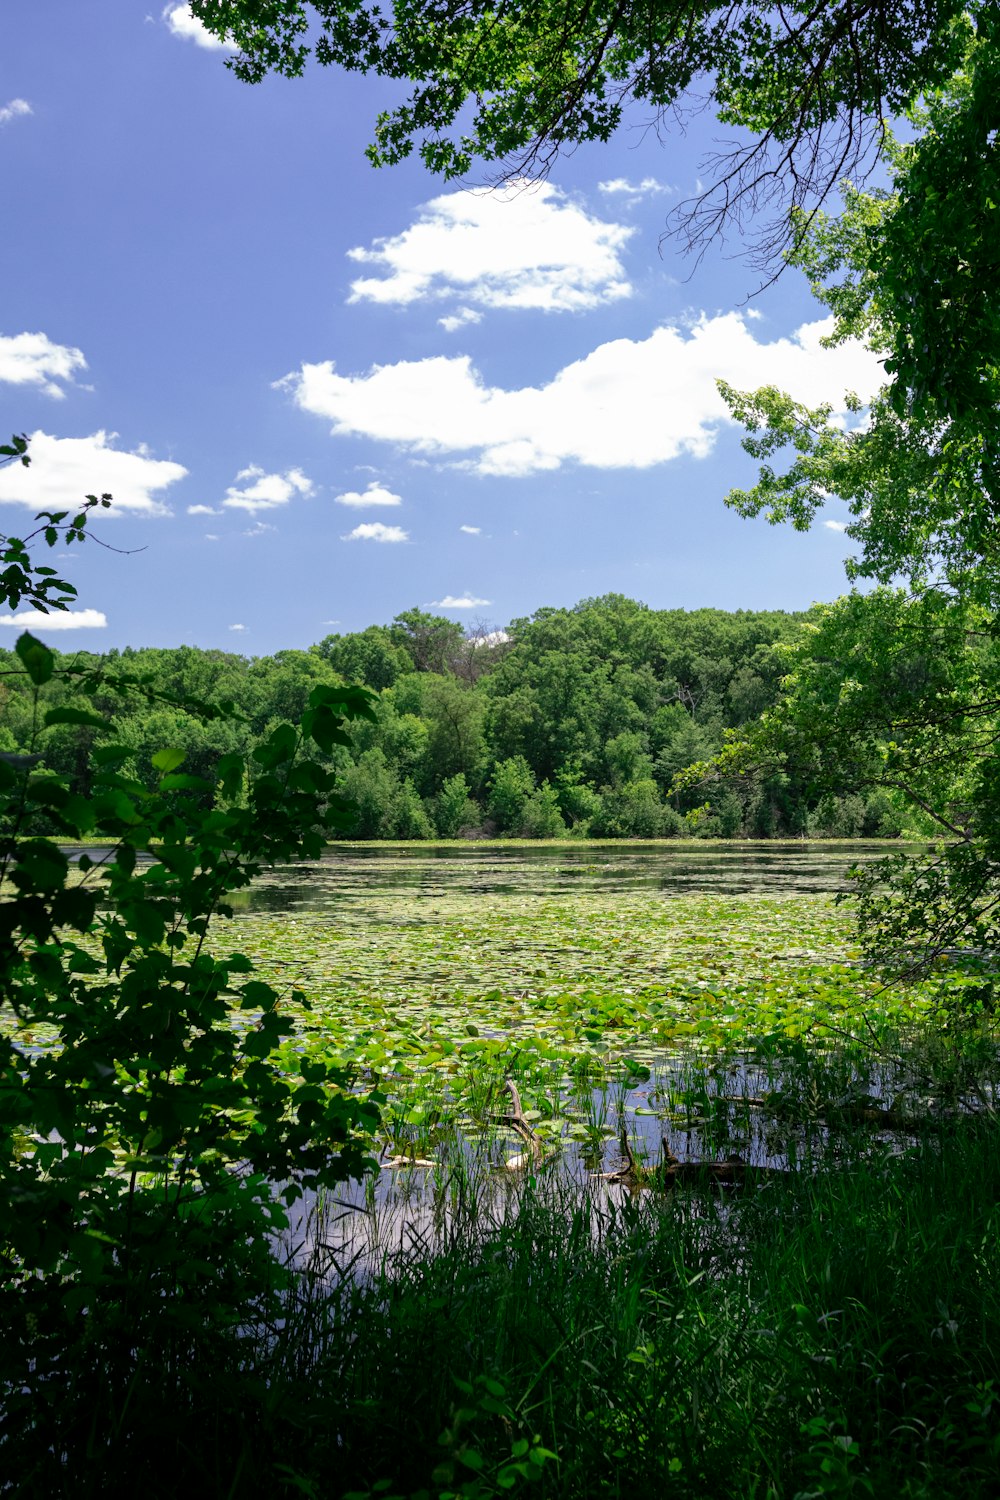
259, 528
202, 510
64, 470
70, 619
375, 494
621, 187
13, 110
211, 536
237, 627
629, 404
835, 525
186, 26
266, 491
491, 638
460, 319
521, 246
460, 601
375, 531
33, 359
471, 530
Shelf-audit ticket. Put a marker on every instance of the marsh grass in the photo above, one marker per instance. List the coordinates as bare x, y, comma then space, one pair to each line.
832, 1332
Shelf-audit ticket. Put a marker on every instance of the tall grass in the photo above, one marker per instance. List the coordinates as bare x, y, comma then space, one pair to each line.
826, 1333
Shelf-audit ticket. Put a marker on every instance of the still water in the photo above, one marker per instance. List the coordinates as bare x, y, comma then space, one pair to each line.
674, 868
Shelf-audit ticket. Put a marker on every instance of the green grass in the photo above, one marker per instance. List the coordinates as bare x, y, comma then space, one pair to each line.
832, 1333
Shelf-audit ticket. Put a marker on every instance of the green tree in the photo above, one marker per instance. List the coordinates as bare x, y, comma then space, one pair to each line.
454, 715
510, 788
541, 817
454, 808
516, 83
372, 656
431, 641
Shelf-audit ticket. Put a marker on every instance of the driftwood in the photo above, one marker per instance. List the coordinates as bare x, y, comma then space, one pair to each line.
670, 1171
394, 1163
515, 1119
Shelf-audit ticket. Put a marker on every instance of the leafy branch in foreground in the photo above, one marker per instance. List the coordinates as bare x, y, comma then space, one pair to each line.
516, 83
912, 271
154, 1119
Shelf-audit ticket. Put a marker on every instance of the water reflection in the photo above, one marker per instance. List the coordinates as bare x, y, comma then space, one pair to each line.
674, 869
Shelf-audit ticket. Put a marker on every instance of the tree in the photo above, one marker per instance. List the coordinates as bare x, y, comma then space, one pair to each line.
510, 789
893, 700
454, 808
913, 270
508, 81
431, 641
370, 656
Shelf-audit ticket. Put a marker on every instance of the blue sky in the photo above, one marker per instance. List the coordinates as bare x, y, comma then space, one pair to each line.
322, 394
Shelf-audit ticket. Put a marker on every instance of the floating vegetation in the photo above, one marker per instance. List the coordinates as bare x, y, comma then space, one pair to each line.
737, 1026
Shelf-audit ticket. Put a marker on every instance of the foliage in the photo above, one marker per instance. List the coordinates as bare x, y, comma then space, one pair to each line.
512, 785
597, 698
516, 83
454, 808
846, 1349
894, 696
912, 270
151, 1125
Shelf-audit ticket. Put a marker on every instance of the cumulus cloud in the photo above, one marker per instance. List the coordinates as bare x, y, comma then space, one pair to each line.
621, 187
69, 619
33, 359
64, 470
835, 525
186, 26
375, 494
460, 601
471, 530
237, 627
465, 315
375, 531
202, 510
523, 246
263, 491
259, 528
13, 110
628, 404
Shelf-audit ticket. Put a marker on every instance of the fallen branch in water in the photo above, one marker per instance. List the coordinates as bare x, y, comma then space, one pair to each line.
516, 1120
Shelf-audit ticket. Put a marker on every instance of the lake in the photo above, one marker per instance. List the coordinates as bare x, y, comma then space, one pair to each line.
664, 989
673, 867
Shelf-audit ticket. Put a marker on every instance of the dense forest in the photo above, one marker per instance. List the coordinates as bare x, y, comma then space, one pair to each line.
574, 721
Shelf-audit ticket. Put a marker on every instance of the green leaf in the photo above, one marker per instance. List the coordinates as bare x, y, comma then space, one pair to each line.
75, 716
167, 760
37, 659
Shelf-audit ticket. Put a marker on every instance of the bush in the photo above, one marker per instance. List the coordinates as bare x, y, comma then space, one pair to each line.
540, 815
454, 809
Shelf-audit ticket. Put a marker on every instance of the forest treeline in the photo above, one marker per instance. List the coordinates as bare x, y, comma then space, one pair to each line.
573, 721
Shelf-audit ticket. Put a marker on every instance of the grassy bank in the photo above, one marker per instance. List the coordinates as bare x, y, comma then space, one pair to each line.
828, 1333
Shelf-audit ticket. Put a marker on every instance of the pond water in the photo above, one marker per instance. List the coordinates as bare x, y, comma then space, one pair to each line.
403, 946
672, 868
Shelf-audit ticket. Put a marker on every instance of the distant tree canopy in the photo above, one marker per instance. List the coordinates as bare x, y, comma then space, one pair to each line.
575, 721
